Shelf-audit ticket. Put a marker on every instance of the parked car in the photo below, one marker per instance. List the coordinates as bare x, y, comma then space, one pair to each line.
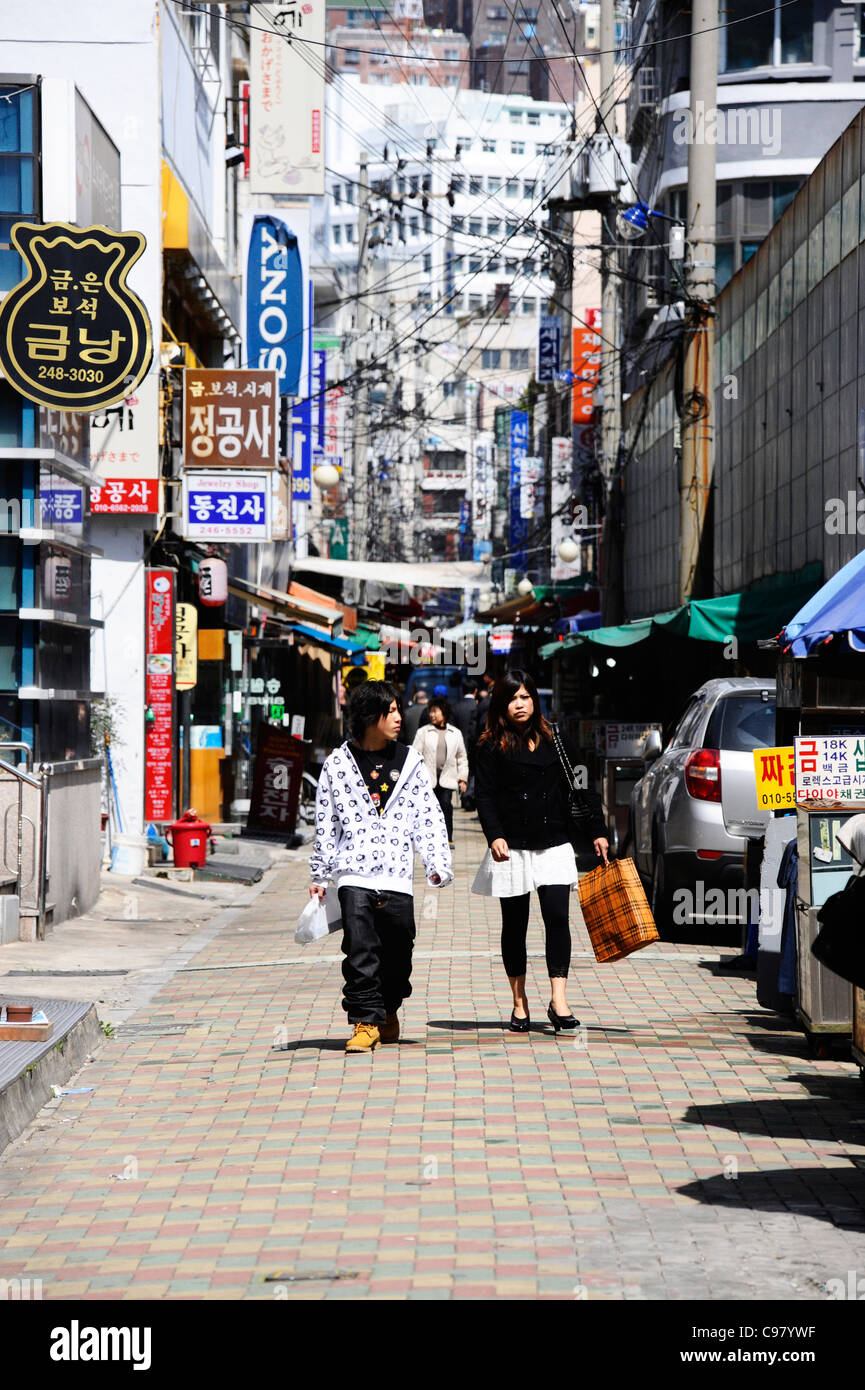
696, 803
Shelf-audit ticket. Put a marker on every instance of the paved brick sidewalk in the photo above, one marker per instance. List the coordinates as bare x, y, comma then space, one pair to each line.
683, 1146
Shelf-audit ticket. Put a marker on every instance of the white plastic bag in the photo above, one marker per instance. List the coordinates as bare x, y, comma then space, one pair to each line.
317, 921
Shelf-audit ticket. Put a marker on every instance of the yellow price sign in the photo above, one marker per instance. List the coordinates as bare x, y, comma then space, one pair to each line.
775, 771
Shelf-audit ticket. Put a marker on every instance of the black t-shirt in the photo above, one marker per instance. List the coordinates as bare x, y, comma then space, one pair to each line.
380, 770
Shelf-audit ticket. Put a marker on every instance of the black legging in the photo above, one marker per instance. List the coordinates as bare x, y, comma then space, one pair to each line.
515, 920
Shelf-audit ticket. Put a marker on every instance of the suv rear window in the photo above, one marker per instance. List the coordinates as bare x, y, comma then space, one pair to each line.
740, 723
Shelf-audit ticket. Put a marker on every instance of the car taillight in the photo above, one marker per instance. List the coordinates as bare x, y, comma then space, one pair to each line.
703, 774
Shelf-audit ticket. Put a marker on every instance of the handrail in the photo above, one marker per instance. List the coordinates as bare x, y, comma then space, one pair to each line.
22, 747
39, 853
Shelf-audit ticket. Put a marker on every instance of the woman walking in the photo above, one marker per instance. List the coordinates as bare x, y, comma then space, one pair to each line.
443, 749
522, 797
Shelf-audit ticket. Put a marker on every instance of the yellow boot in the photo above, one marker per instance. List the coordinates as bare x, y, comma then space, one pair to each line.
364, 1038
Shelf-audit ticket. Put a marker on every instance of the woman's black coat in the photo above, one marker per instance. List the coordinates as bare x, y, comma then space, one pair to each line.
522, 798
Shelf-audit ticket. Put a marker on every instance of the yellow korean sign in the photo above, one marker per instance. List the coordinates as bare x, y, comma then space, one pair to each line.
774, 769
371, 670
186, 646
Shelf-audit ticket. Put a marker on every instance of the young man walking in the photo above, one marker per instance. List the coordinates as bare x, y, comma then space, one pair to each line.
374, 808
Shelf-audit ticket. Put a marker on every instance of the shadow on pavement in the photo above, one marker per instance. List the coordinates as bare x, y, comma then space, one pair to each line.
834, 1195
834, 1114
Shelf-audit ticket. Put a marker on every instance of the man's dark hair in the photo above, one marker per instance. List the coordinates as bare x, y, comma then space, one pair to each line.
368, 703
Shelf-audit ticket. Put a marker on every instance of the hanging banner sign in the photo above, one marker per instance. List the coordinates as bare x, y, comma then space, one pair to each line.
587, 361
287, 94
186, 646
549, 347
319, 392
124, 452
159, 696
230, 418
73, 336
226, 506
519, 448
300, 427
561, 487
830, 770
275, 301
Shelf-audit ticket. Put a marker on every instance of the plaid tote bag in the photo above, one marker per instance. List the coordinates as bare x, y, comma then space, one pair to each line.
617, 915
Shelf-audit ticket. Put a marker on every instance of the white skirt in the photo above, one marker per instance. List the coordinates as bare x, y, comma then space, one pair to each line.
525, 870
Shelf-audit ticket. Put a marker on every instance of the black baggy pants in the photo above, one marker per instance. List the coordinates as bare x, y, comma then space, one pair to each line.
378, 934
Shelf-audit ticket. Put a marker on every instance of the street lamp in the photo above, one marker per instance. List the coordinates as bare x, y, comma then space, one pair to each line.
633, 222
569, 551
525, 585
325, 476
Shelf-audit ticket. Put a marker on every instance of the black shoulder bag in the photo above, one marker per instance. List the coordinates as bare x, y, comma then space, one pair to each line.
583, 806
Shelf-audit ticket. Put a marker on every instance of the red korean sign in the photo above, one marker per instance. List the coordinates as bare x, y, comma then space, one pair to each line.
159, 734
586, 362
230, 418
122, 496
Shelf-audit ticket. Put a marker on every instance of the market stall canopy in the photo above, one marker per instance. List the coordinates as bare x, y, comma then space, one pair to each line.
281, 605
510, 609
838, 607
302, 594
349, 646
751, 616
435, 575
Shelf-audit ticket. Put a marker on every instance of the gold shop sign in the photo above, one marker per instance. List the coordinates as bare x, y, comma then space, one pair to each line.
73, 336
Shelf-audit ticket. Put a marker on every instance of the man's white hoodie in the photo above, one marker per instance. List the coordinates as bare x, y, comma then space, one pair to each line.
357, 847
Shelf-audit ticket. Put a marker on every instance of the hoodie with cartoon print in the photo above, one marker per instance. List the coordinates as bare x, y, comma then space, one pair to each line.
357, 847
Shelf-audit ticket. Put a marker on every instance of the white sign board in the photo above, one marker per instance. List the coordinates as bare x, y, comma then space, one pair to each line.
224, 506
615, 740
830, 771
287, 87
561, 487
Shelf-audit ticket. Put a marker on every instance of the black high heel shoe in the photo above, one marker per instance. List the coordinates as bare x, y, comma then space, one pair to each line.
519, 1025
566, 1021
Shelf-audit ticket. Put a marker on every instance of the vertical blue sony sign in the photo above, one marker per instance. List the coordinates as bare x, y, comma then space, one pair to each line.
274, 302
518, 525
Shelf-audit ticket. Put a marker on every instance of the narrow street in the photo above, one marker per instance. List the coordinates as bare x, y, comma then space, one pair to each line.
683, 1146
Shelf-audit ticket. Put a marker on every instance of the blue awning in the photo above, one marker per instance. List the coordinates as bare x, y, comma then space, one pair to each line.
839, 607
346, 645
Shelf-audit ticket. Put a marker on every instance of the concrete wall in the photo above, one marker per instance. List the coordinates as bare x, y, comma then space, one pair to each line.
74, 839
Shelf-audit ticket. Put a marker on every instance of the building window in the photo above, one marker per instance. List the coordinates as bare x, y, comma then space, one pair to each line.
337, 194
452, 53
18, 182
528, 188
723, 263
493, 264
529, 266
496, 12
489, 146
475, 186
511, 227
475, 264
512, 188
494, 227
519, 359
529, 305
533, 117
349, 193
458, 223
457, 263
476, 227
518, 147
350, 58
518, 69
491, 359
427, 222
414, 226
458, 183
337, 236
783, 35
349, 233
449, 388
427, 262
475, 302
515, 117
493, 185
511, 266
783, 193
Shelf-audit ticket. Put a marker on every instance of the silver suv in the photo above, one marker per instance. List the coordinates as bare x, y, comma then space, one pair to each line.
696, 803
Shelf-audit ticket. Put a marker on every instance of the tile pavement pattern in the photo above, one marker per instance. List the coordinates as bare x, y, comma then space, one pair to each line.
684, 1145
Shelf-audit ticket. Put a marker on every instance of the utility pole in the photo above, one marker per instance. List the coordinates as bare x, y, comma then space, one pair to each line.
698, 402
360, 431
610, 368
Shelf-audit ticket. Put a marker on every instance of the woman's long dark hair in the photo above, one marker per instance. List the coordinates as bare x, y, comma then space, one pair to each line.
500, 733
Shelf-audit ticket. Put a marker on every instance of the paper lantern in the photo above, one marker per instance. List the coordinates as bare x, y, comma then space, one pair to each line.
213, 583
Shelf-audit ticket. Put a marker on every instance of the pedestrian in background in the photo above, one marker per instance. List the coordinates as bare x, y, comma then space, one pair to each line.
373, 809
443, 749
413, 715
522, 800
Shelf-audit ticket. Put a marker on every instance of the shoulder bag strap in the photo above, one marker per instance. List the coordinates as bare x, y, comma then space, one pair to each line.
560, 749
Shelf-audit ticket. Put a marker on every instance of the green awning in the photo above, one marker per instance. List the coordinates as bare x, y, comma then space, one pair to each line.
758, 614
368, 636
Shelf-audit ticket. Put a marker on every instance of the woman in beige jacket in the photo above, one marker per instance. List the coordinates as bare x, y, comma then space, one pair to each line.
443, 750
